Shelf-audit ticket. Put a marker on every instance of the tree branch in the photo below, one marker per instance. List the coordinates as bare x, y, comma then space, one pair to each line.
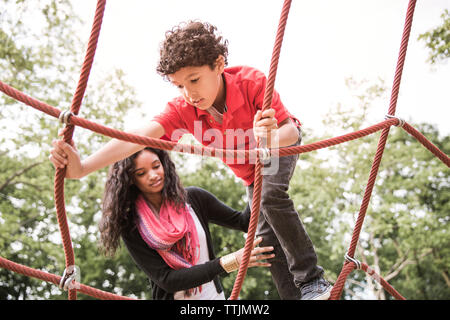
18, 173
406, 263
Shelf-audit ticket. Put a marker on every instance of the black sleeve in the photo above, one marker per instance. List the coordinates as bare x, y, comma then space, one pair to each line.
168, 279
215, 211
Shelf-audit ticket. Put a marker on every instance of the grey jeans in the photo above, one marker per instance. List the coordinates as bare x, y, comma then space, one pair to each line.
280, 226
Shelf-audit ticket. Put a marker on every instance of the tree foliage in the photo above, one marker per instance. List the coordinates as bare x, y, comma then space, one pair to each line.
437, 40
405, 236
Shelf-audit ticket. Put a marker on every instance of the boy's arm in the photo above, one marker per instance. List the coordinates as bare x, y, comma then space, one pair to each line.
64, 154
274, 135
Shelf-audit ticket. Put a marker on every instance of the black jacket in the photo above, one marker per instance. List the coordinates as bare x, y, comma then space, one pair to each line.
164, 280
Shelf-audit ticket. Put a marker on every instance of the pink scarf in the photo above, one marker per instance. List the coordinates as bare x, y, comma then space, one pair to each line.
174, 235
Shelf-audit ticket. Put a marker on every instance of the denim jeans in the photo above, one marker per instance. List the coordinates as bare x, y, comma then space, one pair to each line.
280, 226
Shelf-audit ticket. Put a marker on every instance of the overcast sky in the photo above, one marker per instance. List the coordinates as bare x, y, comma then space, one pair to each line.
326, 41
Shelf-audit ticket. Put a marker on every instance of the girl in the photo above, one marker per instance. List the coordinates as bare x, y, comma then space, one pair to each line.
165, 227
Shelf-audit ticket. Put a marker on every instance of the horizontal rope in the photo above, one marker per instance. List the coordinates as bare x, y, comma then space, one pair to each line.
45, 276
223, 154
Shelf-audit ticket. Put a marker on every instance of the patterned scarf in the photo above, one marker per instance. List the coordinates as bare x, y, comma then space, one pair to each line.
173, 236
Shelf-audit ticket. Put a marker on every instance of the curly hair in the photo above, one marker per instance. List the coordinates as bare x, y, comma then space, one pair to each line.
120, 194
191, 44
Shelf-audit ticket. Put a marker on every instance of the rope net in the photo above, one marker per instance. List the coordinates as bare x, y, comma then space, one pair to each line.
73, 120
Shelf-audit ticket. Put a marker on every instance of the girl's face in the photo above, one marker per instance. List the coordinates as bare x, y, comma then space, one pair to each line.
149, 173
201, 86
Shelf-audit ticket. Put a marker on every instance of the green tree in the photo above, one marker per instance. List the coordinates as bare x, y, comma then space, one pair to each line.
437, 40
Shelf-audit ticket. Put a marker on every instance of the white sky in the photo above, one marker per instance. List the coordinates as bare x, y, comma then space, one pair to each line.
326, 41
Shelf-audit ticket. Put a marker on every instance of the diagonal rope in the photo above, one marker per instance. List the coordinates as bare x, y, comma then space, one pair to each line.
335, 294
223, 154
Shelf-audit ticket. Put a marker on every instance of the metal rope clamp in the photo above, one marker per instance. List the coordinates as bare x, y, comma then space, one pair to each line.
401, 122
68, 277
355, 261
64, 117
264, 154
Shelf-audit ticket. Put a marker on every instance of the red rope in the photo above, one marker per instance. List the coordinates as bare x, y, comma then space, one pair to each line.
401, 56
335, 294
222, 154
267, 102
349, 267
427, 144
187, 148
41, 275
68, 133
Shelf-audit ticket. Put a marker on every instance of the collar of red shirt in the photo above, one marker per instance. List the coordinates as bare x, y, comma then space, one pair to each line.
234, 98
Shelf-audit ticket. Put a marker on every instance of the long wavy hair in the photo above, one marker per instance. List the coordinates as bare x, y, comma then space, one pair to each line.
119, 214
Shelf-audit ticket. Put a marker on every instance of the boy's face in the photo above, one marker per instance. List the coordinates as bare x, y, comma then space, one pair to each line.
201, 86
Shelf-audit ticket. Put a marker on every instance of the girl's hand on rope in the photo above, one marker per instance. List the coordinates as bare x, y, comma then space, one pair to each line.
64, 154
265, 127
257, 255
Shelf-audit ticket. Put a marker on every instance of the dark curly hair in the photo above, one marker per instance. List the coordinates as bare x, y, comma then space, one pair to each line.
191, 44
120, 195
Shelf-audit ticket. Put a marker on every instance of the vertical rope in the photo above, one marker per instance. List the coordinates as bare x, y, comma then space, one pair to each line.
267, 101
258, 178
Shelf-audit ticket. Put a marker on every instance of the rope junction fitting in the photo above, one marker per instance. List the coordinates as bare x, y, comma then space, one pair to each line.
400, 123
68, 278
64, 117
264, 154
355, 261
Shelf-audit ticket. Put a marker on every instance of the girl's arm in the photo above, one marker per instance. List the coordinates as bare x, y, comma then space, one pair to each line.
65, 154
170, 280
215, 211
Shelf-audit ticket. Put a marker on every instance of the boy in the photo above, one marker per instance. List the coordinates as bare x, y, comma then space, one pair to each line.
216, 105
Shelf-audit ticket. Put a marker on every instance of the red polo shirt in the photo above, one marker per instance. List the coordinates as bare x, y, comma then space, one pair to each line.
245, 88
